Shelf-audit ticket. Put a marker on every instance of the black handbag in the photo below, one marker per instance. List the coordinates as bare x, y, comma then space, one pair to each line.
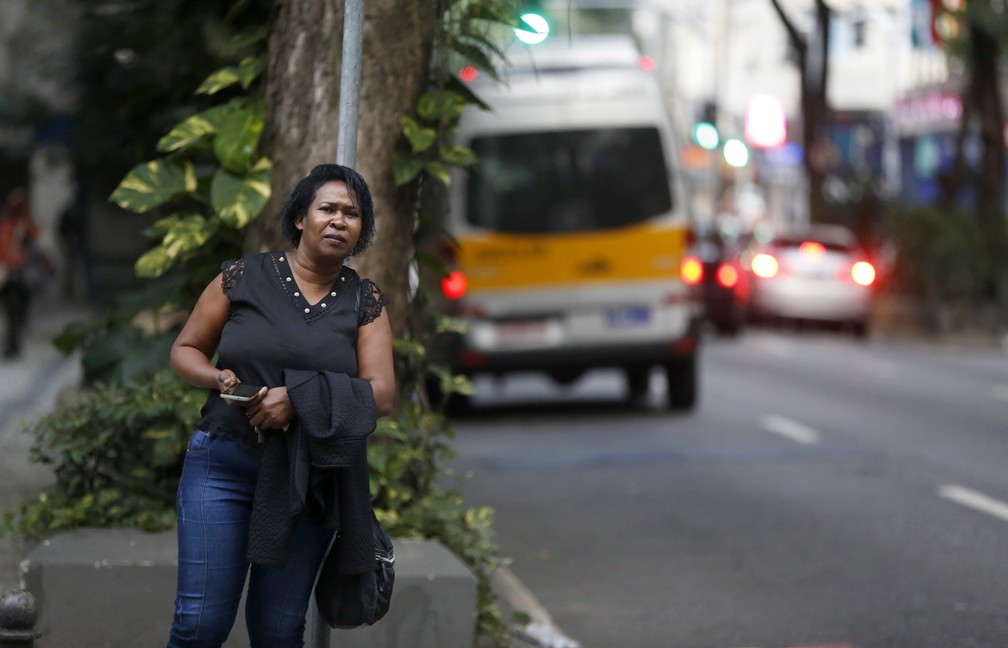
352, 600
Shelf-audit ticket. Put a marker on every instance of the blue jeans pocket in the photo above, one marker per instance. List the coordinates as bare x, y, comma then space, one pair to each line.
200, 442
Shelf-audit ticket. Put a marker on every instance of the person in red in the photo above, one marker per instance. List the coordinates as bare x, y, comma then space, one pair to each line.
18, 232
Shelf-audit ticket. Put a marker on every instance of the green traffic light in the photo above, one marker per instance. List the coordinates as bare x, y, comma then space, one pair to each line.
706, 136
534, 29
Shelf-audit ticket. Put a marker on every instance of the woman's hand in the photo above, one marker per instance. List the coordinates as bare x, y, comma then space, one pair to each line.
270, 410
226, 379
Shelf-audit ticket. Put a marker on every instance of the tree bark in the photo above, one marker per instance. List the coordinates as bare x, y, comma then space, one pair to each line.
983, 110
398, 40
985, 95
302, 102
302, 108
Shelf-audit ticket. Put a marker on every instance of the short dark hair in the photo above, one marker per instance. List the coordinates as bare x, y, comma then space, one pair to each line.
303, 195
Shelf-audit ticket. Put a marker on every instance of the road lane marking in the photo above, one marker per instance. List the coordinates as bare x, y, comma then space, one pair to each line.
1001, 392
791, 429
974, 500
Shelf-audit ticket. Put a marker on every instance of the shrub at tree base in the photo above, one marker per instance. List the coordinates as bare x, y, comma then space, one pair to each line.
939, 259
116, 455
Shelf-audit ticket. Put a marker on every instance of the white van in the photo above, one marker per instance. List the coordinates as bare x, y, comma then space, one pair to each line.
572, 225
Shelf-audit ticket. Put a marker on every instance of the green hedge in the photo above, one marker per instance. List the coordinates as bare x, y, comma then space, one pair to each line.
939, 257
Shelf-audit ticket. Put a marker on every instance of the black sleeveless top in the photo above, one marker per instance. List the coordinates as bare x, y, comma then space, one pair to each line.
272, 327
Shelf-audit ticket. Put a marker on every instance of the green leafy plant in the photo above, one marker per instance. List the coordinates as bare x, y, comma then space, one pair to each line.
938, 259
406, 462
116, 454
209, 184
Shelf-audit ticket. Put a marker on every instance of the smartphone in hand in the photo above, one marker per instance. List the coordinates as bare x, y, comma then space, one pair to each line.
240, 393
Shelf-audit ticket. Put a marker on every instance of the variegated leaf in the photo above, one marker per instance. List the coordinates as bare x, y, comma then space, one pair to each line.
153, 184
420, 138
153, 263
238, 137
239, 199
405, 168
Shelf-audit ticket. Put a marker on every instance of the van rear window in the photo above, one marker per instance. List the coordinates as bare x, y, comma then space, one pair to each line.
568, 181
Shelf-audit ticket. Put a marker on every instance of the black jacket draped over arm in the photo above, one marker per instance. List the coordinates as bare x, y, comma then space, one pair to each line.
319, 468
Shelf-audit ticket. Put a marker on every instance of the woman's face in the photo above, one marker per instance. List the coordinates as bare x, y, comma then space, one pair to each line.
333, 223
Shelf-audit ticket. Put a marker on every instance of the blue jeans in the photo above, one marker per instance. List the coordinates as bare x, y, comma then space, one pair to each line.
214, 506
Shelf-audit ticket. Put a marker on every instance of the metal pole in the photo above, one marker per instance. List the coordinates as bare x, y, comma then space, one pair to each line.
346, 154
353, 40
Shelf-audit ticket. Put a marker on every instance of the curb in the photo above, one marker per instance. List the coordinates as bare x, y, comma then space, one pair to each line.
540, 631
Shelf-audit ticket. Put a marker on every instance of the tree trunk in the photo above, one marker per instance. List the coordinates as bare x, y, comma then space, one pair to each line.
302, 102
817, 114
985, 94
302, 99
398, 39
983, 110
813, 68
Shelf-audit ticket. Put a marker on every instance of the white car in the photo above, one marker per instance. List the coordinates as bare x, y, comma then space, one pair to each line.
820, 274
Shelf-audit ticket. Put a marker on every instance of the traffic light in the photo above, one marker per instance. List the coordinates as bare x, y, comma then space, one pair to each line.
946, 20
736, 153
533, 28
705, 132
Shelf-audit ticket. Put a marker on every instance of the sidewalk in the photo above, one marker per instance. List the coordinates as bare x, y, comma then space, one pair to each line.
29, 386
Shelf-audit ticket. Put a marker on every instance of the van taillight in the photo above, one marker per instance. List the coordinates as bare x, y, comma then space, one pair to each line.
455, 285
691, 270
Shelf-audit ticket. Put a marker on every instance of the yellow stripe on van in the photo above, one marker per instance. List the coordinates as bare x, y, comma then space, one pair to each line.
498, 261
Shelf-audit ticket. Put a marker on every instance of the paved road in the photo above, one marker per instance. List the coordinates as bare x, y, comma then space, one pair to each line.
826, 492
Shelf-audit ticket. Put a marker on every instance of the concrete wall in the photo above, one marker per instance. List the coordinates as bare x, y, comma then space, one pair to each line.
111, 588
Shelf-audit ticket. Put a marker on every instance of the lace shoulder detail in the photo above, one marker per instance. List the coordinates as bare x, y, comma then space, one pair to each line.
372, 300
232, 272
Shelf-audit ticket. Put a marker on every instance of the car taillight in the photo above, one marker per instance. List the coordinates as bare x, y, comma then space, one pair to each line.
455, 285
691, 270
727, 276
863, 273
812, 249
765, 265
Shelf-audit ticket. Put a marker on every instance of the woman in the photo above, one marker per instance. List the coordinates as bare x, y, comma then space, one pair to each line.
269, 316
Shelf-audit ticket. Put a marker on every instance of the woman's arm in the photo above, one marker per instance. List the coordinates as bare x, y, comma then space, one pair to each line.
374, 361
197, 342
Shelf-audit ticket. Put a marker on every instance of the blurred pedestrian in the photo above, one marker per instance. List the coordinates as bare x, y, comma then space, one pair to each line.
314, 340
76, 247
23, 266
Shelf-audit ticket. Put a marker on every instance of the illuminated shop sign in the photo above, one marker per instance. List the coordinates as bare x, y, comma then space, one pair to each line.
937, 111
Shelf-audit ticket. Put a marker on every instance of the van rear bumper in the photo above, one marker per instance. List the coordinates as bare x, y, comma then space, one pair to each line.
572, 359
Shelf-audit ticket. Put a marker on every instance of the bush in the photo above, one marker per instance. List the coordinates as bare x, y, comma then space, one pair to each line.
116, 455
939, 257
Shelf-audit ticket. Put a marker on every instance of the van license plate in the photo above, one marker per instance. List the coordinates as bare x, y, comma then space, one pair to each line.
627, 317
523, 331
